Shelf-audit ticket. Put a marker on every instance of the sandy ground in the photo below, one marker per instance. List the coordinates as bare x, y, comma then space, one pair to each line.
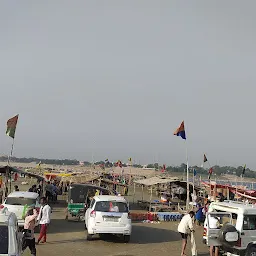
68, 238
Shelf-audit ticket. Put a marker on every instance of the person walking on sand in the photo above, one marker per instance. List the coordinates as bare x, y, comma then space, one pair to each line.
44, 219
28, 239
186, 228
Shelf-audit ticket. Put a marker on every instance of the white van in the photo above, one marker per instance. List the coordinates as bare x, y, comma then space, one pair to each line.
10, 237
108, 215
16, 201
231, 226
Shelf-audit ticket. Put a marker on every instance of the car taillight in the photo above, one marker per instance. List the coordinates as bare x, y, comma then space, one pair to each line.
205, 231
239, 242
93, 214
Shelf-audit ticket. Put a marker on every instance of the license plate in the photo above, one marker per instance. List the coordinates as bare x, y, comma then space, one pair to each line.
109, 219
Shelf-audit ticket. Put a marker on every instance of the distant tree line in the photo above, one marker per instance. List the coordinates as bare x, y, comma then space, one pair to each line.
38, 160
59, 161
218, 170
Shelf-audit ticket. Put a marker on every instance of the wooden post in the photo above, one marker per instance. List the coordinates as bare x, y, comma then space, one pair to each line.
227, 193
151, 192
215, 190
134, 191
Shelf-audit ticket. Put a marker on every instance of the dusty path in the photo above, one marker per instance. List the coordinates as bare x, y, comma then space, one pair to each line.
68, 238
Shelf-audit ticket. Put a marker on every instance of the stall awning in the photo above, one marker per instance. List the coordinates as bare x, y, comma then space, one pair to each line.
6, 169
156, 180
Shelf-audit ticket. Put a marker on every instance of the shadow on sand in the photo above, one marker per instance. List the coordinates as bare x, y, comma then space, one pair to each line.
140, 234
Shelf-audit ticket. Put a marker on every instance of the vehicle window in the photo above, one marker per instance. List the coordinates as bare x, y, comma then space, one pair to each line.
20, 201
105, 192
216, 221
234, 218
4, 241
111, 206
249, 222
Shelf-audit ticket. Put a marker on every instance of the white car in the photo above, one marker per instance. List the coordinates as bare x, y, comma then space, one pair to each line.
231, 226
108, 215
16, 201
10, 237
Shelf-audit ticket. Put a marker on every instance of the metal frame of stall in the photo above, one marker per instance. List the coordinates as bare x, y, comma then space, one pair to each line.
8, 171
150, 182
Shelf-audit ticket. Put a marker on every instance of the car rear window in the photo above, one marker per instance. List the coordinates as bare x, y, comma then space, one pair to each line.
4, 241
20, 201
111, 206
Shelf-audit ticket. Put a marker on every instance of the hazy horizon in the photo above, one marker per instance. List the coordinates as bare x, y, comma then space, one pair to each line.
114, 79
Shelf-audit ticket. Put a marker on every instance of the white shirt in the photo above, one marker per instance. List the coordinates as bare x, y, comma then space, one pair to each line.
186, 224
213, 222
44, 214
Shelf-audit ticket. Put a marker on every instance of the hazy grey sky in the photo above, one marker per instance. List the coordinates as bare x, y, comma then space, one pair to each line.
117, 78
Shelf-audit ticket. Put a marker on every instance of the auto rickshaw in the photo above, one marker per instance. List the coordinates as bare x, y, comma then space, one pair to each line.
79, 196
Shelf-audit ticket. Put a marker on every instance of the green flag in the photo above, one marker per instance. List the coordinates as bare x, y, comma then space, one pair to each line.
11, 126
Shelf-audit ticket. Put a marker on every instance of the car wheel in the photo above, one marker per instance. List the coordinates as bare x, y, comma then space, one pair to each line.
88, 236
251, 251
126, 239
102, 236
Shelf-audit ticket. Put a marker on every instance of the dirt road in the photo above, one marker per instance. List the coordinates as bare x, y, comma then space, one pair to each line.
68, 238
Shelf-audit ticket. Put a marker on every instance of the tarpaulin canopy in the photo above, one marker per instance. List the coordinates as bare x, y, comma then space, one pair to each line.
156, 180
9, 169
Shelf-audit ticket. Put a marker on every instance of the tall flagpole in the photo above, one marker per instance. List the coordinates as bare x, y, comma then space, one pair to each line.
9, 157
193, 181
8, 164
181, 132
187, 202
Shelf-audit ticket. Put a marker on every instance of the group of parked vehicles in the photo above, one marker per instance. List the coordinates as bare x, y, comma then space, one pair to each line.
229, 225
12, 213
101, 211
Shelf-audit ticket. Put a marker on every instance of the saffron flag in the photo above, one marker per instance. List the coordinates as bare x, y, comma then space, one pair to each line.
244, 169
210, 173
11, 126
119, 164
181, 131
205, 158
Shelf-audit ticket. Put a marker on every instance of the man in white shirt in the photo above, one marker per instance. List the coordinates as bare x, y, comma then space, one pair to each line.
185, 228
44, 219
